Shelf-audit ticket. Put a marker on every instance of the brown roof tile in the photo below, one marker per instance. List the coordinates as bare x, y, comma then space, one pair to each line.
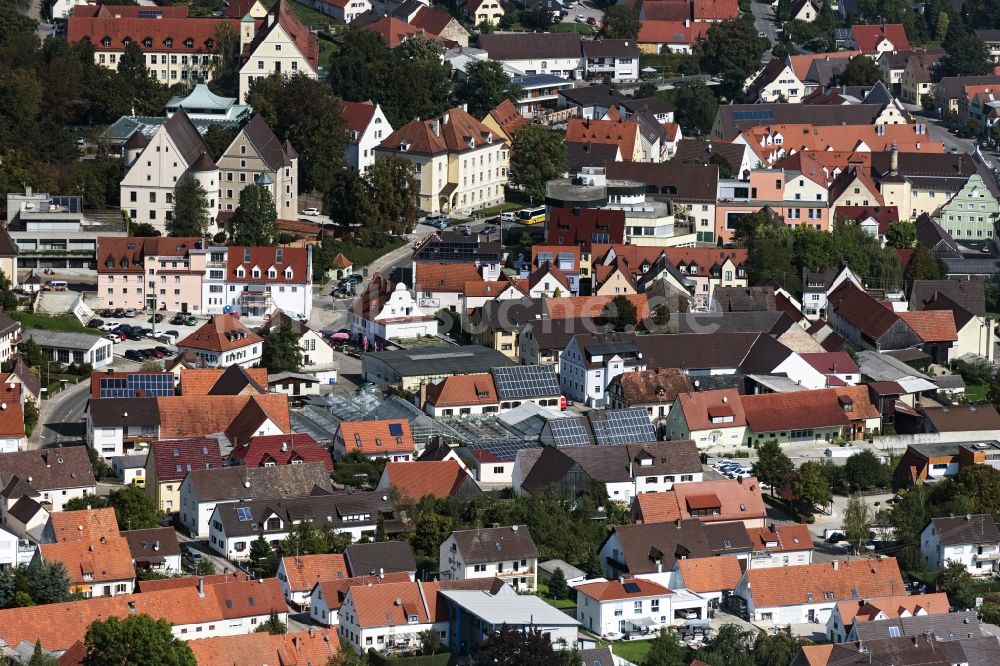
376, 437
774, 412
614, 590
710, 574
836, 581
698, 407
932, 325
219, 334
458, 390
641, 387
415, 480
91, 562
315, 646
304, 571
85, 525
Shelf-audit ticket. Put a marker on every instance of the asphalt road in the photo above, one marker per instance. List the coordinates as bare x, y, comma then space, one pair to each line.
61, 418
764, 21
584, 10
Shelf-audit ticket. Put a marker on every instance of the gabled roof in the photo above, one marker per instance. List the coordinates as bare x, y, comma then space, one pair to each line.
91, 562
974, 529
334, 590
652, 547
393, 31
282, 450
316, 646
867, 610
830, 363
386, 436
702, 407
208, 381
968, 294
710, 574
357, 116
152, 545
305, 571
305, 41
715, 10
815, 583
432, 21
862, 311
932, 325
228, 483
270, 149
510, 120
291, 267
868, 37
630, 588
48, 469
443, 277
87, 525
389, 556
437, 478
531, 46
772, 70
774, 412
220, 414
490, 544
672, 32
461, 390
622, 133
221, 333
657, 386
730, 499
780, 538
180, 29
456, 132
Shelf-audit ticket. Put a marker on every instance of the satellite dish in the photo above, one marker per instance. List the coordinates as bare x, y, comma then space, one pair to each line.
246, 484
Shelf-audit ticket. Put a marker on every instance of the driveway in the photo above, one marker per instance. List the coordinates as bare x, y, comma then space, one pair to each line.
764, 21
582, 9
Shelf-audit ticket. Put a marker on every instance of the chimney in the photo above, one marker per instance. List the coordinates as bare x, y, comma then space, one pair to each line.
836, 565
131, 607
436, 126
201, 587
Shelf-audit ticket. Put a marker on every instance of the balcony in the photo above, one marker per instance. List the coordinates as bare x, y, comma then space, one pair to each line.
988, 555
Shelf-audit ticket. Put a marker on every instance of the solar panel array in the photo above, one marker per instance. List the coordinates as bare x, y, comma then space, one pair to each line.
526, 381
570, 432
753, 115
152, 385
504, 450
622, 426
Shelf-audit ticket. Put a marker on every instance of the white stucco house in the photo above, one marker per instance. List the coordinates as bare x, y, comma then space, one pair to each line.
972, 540
508, 553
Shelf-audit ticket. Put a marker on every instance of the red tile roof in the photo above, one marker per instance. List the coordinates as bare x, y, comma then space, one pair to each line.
666, 10
444, 277
622, 133
432, 21
780, 538
11, 411
614, 590
697, 406
357, 115
867, 610
510, 120
188, 35
814, 583
264, 258
862, 311
868, 37
672, 32
830, 363
334, 590
394, 32
932, 325
216, 413
734, 499
457, 132
861, 404
304, 571
91, 562
119, 255
84, 525
390, 604
221, 333
258, 410
200, 381
173, 459
710, 574
461, 390
315, 646
376, 437
282, 450
774, 412
416, 480
716, 10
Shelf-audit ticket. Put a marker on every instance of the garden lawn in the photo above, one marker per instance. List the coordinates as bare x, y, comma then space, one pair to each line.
634, 651
66, 322
975, 392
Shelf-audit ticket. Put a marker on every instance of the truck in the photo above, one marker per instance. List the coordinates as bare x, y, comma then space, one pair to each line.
842, 451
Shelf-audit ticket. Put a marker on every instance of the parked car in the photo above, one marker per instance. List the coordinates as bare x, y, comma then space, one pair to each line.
164, 351
580, 18
508, 217
836, 537
311, 211
134, 355
129, 313
155, 353
178, 320
156, 317
191, 556
106, 313
118, 314
114, 337
175, 334
191, 321
591, 20
95, 323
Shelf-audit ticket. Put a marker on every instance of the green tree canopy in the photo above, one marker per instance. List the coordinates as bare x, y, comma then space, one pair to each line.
923, 265
282, 352
967, 55
512, 647
537, 155
558, 588
810, 487
773, 467
901, 234
696, 108
135, 509
273, 625
226, 61
621, 22
484, 86
46, 582
665, 650
190, 215
958, 584
858, 519
981, 484
733, 50
860, 71
255, 221
864, 471
620, 313
137, 639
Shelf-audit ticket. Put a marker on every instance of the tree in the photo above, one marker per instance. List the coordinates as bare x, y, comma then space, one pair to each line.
665, 650
857, 522
592, 565
901, 235
558, 589
205, 567
226, 61
392, 184
430, 642
696, 108
347, 656
485, 85
860, 71
645, 89
273, 625
621, 22
42, 658
992, 389
135, 509
923, 265
956, 581
282, 352
810, 487
145, 229
512, 647
31, 353
864, 471
537, 155
773, 467
733, 50
776, 649
30, 417
730, 645
145, 94
46, 582
262, 556
380, 533
430, 530
255, 221
981, 484
151, 365
967, 55
218, 138
620, 313
190, 210
137, 639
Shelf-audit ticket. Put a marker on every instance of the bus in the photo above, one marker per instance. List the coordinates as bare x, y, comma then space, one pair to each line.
531, 215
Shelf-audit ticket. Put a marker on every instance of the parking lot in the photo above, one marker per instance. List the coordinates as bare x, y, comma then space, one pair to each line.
141, 319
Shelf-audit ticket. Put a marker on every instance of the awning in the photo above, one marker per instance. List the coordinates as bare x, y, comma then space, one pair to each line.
643, 622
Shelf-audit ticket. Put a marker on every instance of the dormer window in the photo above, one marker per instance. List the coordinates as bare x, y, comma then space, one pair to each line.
256, 273
240, 272
168, 42
288, 273
148, 42
210, 43
272, 274
127, 41
106, 42
404, 146
189, 43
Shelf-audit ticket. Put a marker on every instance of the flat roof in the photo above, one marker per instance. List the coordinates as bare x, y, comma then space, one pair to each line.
440, 360
508, 608
64, 339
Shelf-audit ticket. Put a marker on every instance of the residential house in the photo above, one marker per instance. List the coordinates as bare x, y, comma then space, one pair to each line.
282, 45
971, 540
485, 552
966, 300
299, 574
259, 649
393, 556
257, 281
776, 82
344, 11
367, 126
838, 367
462, 395
712, 578
810, 592
617, 607
591, 361
780, 546
326, 596
134, 273
709, 418
653, 390
972, 213
234, 525
627, 470
806, 11
656, 36
816, 416
652, 550
440, 285
457, 160
917, 78
518, 385
96, 568
872, 40
203, 489
317, 352
223, 340
386, 439
817, 285
37, 483
439, 479
154, 166
12, 432
866, 323
537, 53
592, 102
616, 58
387, 311
131, 470
169, 461
271, 450
722, 501
154, 549
177, 48
483, 11
256, 156
848, 615
440, 24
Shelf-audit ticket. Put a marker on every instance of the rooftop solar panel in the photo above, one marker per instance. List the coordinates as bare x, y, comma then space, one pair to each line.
621, 426
150, 384
526, 381
569, 432
504, 450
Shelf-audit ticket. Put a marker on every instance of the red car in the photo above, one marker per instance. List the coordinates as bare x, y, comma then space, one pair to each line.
591, 20
155, 353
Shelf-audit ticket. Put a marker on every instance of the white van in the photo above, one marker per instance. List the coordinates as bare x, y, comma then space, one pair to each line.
57, 285
842, 452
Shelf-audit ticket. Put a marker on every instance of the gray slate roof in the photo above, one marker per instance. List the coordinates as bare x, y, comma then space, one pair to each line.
64, 339
227, 483
441, 359
973, 529
644, 544
325, 510
49, 469
390, 556
132, 412
490, 544
960, 625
